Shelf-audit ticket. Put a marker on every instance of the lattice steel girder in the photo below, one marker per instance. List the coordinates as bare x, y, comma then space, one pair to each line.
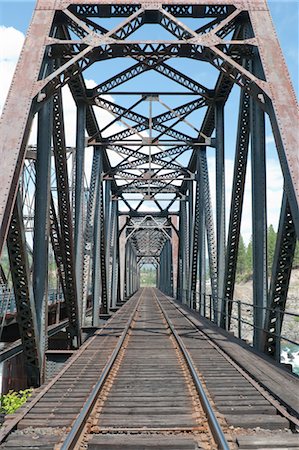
281, 272
33, 85
121, 10
240, 165
27, 320
65, 216
17, 115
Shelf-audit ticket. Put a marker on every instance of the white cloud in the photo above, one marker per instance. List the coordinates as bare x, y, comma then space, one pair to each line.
11, 41
270, 140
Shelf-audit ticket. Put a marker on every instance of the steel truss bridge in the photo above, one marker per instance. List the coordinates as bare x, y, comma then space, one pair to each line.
135, 188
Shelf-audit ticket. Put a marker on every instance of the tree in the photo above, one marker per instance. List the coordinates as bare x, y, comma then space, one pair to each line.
271, 238
296, 256
241, 265
249, 257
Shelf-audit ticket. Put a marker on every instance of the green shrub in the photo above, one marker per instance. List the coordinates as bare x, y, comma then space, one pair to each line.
13, 400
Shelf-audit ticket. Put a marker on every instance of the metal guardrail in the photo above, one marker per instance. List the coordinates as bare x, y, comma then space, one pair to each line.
210, 309
8, 303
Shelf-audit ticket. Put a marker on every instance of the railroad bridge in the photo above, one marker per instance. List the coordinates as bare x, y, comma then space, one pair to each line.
161, 163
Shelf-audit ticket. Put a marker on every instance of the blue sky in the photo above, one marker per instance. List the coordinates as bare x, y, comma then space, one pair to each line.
285, 16
17, 14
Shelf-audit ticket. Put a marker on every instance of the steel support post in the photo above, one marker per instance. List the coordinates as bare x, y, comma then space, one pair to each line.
179, 294
96, 265
26, 312
209, 224
240, 166
281, 273
126, 269
103, 255
118, 258
175, 251
92, 229
108, 237
220, 198
62, 238
122, 257
185, 253
190, 236
195, 240
41, 227
113, 256
201, 240
79, 199
170, 263
259, 222
202, 259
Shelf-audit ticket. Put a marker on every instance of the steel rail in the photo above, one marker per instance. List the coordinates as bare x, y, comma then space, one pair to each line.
215, 427
80, 422
285, 410
6, 429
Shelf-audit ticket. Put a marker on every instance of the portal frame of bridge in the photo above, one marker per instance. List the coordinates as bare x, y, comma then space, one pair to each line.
90, 240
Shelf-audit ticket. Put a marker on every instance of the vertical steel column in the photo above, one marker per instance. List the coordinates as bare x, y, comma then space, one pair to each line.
209, 223
79, 198
108, 237
118, 257
280, 278
113, 255
259, 221
92, 226
170, 262
26, 313
195, 240
126, 272
180, 258
63, 238
41, 227
220, 198
185, 250
236, 207
103, 256
202, 243
96, 266
190, 237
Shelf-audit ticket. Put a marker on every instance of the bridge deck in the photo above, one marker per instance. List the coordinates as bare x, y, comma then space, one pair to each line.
149, 398
273, 376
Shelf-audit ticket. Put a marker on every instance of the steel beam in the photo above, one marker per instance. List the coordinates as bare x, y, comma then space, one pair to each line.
281, 273
220, 197
41, 226
20, 273
240, 166
65, 235
97, 294
259, 222
79, 199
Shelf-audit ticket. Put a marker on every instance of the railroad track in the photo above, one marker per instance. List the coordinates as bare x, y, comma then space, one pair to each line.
152, 395
150, 379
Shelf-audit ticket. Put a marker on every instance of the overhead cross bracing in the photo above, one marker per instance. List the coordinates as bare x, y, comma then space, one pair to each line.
151, 118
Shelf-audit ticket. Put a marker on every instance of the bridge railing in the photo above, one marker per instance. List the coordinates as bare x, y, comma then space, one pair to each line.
241, 319
8, 303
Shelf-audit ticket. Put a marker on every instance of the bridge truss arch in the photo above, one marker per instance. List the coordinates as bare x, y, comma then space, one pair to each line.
143, 134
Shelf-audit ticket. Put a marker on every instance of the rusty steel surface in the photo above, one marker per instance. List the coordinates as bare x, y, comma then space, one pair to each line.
149, 197
283, 409
144, 400
118, 321
282, 95
258, 5
15, 121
